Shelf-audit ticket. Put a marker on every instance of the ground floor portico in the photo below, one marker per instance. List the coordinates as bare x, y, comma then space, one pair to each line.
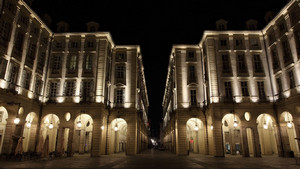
246, 129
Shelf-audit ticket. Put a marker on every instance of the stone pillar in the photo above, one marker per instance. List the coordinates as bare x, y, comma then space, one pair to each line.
256, 143
218, 139
285, 143
180, 127
33, 131
8, 135
131, 146
96, 139
60, 139
70, 151
245, 142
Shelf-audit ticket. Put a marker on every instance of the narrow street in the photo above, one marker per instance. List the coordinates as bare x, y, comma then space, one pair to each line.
154, 159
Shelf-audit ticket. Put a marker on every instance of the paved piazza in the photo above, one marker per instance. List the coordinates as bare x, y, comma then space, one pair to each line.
153, 159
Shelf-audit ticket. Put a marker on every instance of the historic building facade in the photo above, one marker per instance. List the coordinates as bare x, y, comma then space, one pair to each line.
80, 91
236, 92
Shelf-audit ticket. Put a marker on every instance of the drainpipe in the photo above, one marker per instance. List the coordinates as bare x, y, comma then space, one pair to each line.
273, 95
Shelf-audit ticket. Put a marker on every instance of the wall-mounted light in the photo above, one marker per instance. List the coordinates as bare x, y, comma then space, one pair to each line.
17, 120
51, 125
211, 127
28, 124
196, 128
79, 124
266, 126
289, 124
102, 127
116, 128
235, 124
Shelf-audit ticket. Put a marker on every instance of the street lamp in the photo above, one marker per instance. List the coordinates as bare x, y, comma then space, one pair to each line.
266, 126
289, 124
28, 124
17, 120
51, 125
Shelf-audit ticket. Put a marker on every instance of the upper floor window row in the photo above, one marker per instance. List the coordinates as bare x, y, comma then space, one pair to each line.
121, 56
191, 55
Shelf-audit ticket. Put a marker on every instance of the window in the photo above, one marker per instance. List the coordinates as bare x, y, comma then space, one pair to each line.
74, 44
5, 28
282, 27
38, 85
19, 41
26, 79
58, 45
41, 60
226, 63
31, 54
119, 96
254, 42
239, 42
292, 80
120, 73
121, 56
279, 85
53, 89
192, 74
86, 88
261, 90
14, 71
70, 88
88, 62
241, 64
287, 52
297, 39
275, 58
193, 98
3, 64
223, 42
257, 64
90, 44
23, 19
72, 64
272, 37
244, 87
191, 55
56, 64
228, 90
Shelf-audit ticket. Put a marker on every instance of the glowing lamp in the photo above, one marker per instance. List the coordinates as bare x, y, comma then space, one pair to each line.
289, 124
17, 120
235, 124
196, 128
102, 127
265, 126
116, 128
211, 127
28, 124
51, 126
79, 124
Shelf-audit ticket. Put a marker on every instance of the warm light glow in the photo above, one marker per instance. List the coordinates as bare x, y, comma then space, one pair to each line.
98, 99
60, 99
3, 84
196, 128
17, 120
76, 99
116, 128
265, 126
238, 99
50, 126
28, 124
235, 124
30, 95
79, 124
254, 99
102, 127
211, 127
287, 94
289, 124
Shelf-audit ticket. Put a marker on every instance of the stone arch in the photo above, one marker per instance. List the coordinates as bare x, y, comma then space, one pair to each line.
49, 127
195, 134
231, 128
83, 125
29, 131
118, 139
266, 126
3, 122
288, 130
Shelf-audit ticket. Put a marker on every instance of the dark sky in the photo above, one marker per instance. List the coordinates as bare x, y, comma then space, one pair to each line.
155, 25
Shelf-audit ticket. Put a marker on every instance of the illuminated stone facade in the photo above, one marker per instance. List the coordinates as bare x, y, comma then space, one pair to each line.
236, 92
85, 93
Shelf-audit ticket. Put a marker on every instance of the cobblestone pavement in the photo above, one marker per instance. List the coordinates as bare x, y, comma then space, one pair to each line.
153, 159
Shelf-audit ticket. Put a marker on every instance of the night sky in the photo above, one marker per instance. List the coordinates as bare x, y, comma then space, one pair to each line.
155, 25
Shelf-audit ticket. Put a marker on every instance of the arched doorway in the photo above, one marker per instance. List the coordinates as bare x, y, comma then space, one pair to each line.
266, 131
50, 124
195, 135
3, 117
118, 139
287, 120
29, 132
83, 134
232, 134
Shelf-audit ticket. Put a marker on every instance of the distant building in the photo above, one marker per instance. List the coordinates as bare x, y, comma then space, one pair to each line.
236, 92
85, 93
